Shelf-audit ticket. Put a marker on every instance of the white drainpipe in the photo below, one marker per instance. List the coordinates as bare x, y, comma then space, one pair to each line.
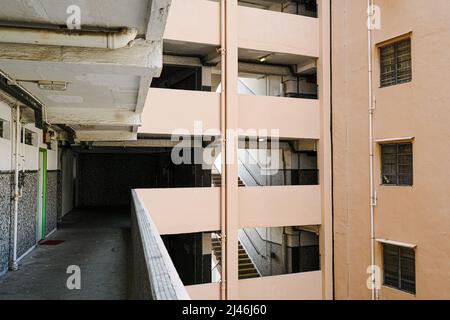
70, 38
16, 187
370, 11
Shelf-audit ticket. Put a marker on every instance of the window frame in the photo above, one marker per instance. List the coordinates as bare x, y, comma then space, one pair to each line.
401, 254
395, 44
5, 129
397, 164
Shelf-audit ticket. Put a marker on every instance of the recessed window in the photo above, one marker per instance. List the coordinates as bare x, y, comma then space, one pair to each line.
29, 138
397, 164
399, 268
4, 129
395, 63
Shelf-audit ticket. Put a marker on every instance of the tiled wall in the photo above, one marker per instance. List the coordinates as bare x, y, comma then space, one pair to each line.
26, 234
5, 209
52, 200
27, 215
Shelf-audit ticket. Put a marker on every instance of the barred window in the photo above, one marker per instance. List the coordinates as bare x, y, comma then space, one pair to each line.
1, 129
399, 268
395, 63
29, 137
397, 164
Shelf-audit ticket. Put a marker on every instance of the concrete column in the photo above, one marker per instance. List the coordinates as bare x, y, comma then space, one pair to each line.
231, 84
206, 78
324, 154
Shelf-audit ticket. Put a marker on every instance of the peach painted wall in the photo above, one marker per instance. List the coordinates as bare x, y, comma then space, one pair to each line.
278, 32
294, 118
167, 110
209, 291
194, 21
198, 21
279, 206
183, 210
417, 214
298, 286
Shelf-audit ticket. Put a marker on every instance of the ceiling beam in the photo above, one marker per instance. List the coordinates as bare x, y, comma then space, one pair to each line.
104, 135
212, 58
93, 117
266, 69
141, 59
148, 143
307, 68
181, 61
157, 19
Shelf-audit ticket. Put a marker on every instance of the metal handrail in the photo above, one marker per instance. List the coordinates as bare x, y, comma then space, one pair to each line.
253, 245
253, 92
250, 173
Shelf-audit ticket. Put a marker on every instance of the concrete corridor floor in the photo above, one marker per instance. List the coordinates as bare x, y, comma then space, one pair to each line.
95, 240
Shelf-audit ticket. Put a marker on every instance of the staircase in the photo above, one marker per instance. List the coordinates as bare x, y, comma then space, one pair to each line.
216, 180
247, 269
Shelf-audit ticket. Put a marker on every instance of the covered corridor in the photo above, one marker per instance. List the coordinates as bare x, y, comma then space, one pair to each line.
96, 240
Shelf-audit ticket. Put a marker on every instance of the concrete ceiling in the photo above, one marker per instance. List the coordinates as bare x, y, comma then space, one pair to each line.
203, 50
87, 85
187, 48
106, 89
274, 58
94, 13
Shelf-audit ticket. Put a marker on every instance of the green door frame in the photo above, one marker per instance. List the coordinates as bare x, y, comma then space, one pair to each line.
43, 189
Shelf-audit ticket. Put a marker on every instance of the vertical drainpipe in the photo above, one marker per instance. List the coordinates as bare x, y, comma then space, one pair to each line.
370, 12
16, 187
223, 126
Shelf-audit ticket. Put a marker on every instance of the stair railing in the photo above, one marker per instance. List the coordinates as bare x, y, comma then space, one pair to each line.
254, 246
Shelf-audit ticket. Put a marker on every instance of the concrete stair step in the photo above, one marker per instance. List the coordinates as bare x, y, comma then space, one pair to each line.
249, 276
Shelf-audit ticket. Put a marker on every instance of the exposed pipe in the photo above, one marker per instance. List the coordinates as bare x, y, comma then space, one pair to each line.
15, 265
223, 126
370, 12
16, 91
70, 38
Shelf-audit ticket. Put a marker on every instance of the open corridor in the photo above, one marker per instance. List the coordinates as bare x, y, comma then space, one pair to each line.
96, 240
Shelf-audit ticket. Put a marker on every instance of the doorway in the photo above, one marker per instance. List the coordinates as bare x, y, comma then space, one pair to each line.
42, 196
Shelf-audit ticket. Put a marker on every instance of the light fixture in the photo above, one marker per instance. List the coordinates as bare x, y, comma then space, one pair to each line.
43, 84
264, 58
52, 85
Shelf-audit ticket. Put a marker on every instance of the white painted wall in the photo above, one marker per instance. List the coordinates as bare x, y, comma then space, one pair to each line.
30, 161
5, 144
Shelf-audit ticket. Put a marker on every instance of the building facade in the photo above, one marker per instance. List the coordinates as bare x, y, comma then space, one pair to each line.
243, 132
409, 124
263, 66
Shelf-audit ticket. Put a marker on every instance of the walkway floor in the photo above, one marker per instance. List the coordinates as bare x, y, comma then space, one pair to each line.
95, 240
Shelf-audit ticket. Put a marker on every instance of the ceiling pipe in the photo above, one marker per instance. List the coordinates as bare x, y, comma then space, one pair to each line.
69, 38
10, 87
